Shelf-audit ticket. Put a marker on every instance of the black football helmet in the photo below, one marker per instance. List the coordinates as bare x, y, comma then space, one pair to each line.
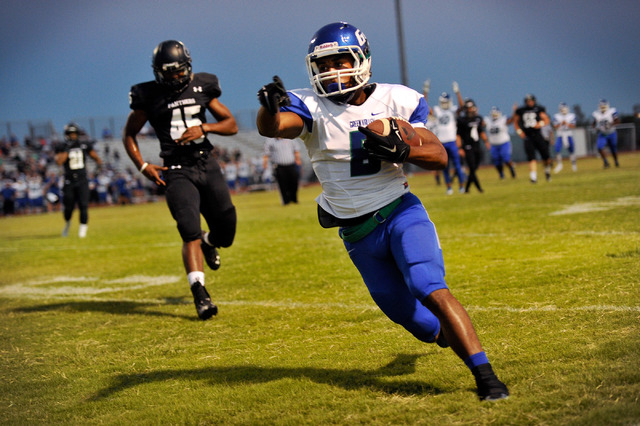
171, 64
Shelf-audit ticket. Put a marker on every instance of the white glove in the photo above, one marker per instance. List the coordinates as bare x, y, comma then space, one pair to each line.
456, 88
426, 86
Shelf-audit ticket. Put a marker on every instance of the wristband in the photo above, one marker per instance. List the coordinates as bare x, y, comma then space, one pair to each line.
144, 166
519, 131
203, 132
541, 123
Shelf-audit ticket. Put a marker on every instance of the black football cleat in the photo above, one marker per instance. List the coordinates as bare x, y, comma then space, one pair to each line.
201, 298
211, 256
490, 388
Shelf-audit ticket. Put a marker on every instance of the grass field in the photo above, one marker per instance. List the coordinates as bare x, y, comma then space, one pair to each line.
103, 330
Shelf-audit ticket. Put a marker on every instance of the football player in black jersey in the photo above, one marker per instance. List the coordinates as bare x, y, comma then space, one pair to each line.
528, 120
175, 104
72, 155
471, 129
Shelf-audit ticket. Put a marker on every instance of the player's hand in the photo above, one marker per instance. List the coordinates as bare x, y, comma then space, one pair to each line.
386, 148
152, 172
189, 135
426, 86
455, 87
273, 95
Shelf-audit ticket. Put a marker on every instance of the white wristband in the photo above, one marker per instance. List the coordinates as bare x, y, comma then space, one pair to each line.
144, 166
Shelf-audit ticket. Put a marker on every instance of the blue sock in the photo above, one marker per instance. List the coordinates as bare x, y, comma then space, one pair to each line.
476, 360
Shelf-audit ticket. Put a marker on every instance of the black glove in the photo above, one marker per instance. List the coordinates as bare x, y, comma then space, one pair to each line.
273, 95
386, 148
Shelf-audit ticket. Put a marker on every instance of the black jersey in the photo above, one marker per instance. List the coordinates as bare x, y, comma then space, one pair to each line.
469, 129
170, 113
75, 168
529, 117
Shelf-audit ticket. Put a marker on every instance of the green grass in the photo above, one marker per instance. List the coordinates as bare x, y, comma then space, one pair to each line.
103, 330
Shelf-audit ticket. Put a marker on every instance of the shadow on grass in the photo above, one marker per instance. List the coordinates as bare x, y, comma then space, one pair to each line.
375, 380
110, 307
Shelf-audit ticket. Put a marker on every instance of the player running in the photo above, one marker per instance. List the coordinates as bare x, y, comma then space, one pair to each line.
385, 228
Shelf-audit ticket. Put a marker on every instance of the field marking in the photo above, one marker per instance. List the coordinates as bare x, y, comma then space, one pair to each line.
597, 206
47, 289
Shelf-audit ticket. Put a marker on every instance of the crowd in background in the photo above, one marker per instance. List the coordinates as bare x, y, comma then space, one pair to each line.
32, 182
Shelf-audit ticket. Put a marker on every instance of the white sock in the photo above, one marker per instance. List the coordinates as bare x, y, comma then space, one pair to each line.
82, 230
195, 276
533, 175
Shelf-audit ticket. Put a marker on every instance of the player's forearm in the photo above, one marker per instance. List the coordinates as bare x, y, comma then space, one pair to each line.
431, 154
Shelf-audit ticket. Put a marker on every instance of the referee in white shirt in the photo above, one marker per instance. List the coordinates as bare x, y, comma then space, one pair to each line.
284, 154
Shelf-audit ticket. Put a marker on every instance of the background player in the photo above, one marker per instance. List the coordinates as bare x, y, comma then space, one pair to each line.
470, 131
446, 114
497, 126
175, 104
528, 120
605, 119
385, 228
72, 155
564, 122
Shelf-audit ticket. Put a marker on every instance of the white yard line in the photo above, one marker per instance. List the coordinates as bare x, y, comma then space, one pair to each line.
50, 290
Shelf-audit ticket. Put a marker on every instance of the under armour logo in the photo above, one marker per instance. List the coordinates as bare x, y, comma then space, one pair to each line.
197, 88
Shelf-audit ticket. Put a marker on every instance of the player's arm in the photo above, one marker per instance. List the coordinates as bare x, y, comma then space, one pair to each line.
286, 125
544, 122
456, 90
135, 121
430, 155
61, 157
225, 124
516, 125
271, 121
483, 136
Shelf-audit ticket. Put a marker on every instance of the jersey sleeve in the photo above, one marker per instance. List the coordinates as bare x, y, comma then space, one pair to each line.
211, 84
137, 97
299, 108
420, 114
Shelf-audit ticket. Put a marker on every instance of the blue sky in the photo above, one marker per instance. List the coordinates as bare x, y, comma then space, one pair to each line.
67, 60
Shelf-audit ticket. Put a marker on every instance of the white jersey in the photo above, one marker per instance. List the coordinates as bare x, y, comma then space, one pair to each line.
561, 122
605, 120
447, 128
497, 130
352, 183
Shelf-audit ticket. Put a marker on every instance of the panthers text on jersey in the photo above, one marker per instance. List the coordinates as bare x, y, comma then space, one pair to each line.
497, 130
529, 117
446, 127
170, 114
605, 120
334, 143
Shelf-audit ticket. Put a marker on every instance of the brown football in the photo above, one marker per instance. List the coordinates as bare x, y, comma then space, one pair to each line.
407, 132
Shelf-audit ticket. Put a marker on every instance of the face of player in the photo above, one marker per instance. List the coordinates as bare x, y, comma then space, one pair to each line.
530, 102
336, 63
174, 75
73, 136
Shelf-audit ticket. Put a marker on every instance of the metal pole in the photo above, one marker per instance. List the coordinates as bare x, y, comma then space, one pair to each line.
403, 61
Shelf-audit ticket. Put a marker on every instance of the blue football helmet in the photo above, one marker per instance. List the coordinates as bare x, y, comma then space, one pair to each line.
337, 39
603, 105
171, 64
445, 100
563, 108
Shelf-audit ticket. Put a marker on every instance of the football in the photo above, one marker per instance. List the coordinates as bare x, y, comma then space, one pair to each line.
407, 132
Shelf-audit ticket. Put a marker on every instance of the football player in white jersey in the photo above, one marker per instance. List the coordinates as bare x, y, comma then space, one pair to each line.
385, 228
500, 141
564, 122
605, 119
446, 114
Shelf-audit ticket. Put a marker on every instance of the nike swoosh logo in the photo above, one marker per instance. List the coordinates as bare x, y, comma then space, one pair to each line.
395, 148
376, 113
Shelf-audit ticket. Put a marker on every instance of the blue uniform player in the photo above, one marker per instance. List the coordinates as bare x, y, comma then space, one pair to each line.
605, 119
386, 229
